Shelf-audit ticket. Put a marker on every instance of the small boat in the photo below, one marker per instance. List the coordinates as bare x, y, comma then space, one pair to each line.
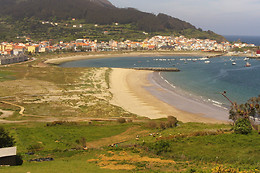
245, 59
234, 63
207, 62
248, 64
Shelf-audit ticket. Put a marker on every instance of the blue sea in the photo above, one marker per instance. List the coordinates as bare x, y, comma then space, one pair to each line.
247, 39
204, 81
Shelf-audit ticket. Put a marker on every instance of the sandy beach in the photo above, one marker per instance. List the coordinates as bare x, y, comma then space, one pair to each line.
133, 91
145, 94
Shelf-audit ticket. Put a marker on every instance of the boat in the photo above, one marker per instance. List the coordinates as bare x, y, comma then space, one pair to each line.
245, 59
234, 63
207, 62
248, 64
204, 58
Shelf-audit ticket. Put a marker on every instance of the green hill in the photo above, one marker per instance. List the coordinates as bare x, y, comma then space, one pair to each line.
100, 12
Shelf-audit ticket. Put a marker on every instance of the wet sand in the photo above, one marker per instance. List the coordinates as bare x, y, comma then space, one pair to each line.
146, 94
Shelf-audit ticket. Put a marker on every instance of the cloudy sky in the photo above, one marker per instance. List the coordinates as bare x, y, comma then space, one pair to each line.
225, 17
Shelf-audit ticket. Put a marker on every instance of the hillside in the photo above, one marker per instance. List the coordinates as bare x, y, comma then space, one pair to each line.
100, 12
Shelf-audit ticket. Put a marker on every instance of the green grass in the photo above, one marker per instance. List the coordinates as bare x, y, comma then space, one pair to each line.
226, 148
239, 151
75, 163
65, 135
66, 159
200, 153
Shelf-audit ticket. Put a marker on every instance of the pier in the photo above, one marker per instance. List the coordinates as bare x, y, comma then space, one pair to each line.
158, 69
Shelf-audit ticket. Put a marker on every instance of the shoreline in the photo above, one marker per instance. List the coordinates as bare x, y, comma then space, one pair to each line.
144, 94
60, 60
184, 100
135, 92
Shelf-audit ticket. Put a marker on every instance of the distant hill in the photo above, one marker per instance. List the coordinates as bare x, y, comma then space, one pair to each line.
91, 11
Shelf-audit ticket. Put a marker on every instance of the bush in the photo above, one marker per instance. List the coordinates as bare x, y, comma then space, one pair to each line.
162, 125
172, 122
6, 139
161, 146
243, 126
121, 120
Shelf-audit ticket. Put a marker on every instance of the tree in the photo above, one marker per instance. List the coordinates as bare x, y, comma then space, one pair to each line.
243, 126
244, 115
250, 109
5, 139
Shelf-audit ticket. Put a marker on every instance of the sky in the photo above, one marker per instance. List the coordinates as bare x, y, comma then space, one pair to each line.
225, 17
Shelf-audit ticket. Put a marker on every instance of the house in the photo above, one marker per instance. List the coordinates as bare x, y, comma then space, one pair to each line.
258, 53
33, 49
12, 59
18, 50
8, 156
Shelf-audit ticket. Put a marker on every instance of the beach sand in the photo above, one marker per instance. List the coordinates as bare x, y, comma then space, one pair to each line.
142, 92
134, 91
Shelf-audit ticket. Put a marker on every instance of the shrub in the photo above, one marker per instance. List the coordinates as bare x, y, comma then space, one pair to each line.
162, 125
172, 122
243, 126
121, 120
6, 139
161, 146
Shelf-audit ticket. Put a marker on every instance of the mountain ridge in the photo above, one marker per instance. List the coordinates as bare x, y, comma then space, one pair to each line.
100, 12
93, 11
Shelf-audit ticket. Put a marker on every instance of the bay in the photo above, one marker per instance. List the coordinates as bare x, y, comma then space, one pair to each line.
203, 81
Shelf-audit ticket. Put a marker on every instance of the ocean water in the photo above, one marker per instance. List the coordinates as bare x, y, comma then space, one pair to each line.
196, 78
247, 39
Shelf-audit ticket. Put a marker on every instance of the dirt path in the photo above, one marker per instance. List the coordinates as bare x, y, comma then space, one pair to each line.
21, 112
6, 114
129, 134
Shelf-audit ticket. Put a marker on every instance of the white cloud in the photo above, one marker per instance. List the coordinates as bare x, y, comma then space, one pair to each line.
222, 16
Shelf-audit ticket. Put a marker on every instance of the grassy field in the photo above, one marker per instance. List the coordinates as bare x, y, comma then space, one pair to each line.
189, 147
68, 117
53, 92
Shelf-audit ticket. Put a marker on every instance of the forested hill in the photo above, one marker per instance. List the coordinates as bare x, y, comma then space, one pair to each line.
93, 11
26, 12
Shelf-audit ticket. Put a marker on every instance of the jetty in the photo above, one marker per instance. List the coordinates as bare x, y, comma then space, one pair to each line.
158, 69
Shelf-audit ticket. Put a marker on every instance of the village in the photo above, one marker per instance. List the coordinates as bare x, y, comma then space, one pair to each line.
15, 52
